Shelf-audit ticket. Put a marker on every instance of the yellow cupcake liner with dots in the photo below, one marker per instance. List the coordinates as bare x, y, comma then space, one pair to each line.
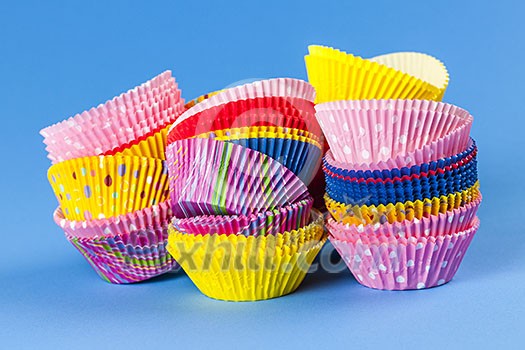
240, 268
370, 214
106, 186
337, 75
201, 98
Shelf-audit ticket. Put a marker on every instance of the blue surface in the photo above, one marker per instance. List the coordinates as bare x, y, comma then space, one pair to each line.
60, 58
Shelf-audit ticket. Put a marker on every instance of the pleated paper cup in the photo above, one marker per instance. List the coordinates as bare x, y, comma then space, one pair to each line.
402, 264
286, 112
300, 154
279, 87
201, 98
407, 188
122, 121
419, 65
411, 133
151, 145
337, 75
155, 218
341, 170
118, 262
270, 222
456, 220
400, 211
240, 268
209, 177
106, 186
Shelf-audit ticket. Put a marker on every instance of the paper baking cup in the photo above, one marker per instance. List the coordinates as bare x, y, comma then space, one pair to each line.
239, 268
117, 134
360, 135
151, 145
279, 87
419, 65
270, 222
145, 92
117, 261
156, 218
264, 111
106, 186
209, 177
450, 163
401, 264
399, 191
406, 188
442, 224
392, 212
337, 75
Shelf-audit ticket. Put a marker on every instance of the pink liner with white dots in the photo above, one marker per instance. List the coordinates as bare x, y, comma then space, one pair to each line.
401, 264
155, 218
370, 134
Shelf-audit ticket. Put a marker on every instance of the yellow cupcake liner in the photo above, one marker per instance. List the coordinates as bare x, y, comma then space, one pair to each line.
240, 268
337, 75
370, 214
262, 132
154, 146
106, 186
419, 65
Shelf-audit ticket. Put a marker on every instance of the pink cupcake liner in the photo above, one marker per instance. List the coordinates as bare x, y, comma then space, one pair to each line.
156, 218
119, 104
270, 222
116, 123
279, 87
209, 177
402, 264
387, 135
443, 224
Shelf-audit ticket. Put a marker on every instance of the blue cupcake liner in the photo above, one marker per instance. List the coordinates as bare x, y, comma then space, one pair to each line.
401, 191
300, 157
393, 173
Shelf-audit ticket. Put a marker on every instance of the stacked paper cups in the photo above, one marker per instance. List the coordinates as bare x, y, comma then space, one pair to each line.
110, 177
401, 173
240, 163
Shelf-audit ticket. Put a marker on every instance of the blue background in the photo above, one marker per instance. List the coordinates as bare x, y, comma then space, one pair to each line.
59, 58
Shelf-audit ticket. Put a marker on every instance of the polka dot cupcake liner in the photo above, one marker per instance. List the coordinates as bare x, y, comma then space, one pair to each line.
279, 87
155, 218
420, 65
392, 212
201, 98
456, 220
106, 186
337, 75
288, 112
336, 169
110, 127
270, 222
209, 177
371, 138
118, 261
403, 264
264, 267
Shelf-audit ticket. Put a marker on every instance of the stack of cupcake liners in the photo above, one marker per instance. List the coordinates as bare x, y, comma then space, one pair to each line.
110, 177
402, 187
239, 165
